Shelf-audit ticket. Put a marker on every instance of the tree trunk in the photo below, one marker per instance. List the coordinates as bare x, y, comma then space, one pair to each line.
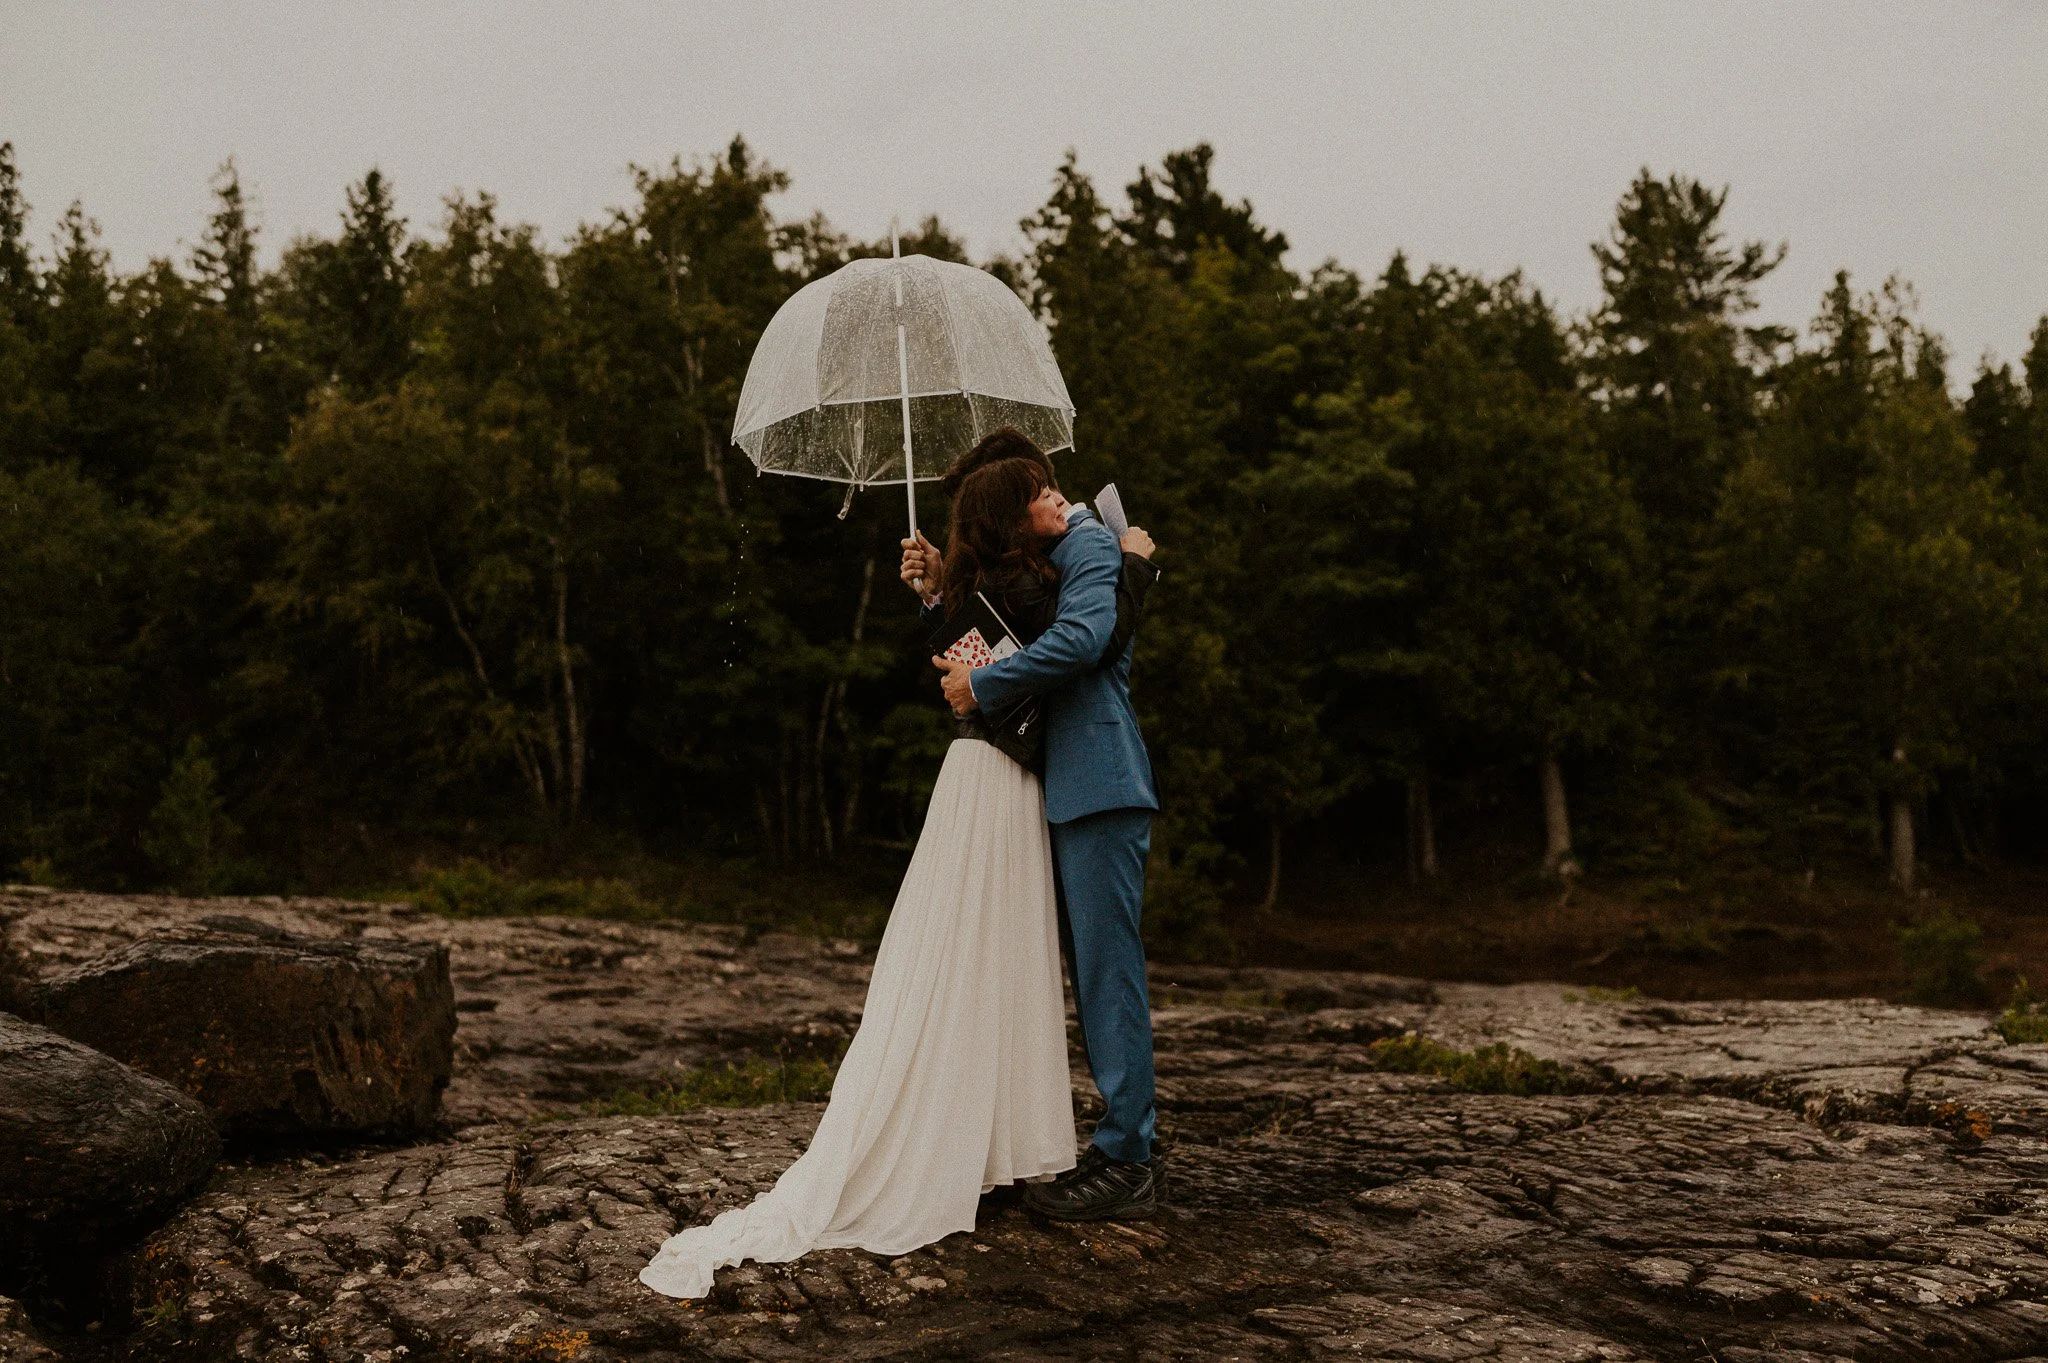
564, 660
761, 812
1421, 831
714, 464
522, 752
713, 448
822, 801
1557, 823
552, 732
1272, 899
1966, 846
1903, 848
850, 810
782, 783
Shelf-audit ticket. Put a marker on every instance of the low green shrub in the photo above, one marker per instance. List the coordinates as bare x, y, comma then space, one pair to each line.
1498, 1068
1690, 939
1943, 957
2022, 1022
189, 839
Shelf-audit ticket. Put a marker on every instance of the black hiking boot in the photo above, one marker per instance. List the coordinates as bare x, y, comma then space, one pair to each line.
1101, 1189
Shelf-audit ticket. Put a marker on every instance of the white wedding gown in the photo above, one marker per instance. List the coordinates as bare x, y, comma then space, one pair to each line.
957, 1079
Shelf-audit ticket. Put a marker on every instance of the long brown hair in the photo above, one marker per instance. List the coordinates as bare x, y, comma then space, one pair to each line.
990, 545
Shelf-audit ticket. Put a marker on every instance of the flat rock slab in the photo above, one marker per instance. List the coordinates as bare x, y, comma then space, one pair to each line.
1385, 1220
555, 1011
279, 1035
89, 1148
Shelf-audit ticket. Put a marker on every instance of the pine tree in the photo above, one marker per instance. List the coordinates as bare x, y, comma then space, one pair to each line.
20, 289
23, 420
1149, 419
360, 333
1675, 366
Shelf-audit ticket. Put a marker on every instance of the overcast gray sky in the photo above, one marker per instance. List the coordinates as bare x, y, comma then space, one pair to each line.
1880, 137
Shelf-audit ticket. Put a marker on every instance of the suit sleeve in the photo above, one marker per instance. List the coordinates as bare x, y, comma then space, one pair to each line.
1078, 635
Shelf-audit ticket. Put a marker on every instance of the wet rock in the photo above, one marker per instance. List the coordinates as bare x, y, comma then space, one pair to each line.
278, 1035
1742, 1181
1386, 1221
19, 1341
89, 1149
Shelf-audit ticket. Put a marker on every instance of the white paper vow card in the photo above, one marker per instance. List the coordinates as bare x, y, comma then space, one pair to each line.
1110, 507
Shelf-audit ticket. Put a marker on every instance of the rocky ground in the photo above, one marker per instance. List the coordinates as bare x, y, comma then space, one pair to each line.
1738, 1181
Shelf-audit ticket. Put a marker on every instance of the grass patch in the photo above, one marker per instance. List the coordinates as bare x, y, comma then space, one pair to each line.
1219, 998
2022, 1023
836, 900
167, 1313
1498, 1068
472, 889
754, 1083
1597, 993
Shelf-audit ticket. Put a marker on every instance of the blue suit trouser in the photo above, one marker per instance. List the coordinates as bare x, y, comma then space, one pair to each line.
1100, 859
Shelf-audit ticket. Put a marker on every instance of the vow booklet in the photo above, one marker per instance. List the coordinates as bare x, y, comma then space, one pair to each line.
975, 634
1110, 507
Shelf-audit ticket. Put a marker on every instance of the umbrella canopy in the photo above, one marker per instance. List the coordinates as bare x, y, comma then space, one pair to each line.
885, 357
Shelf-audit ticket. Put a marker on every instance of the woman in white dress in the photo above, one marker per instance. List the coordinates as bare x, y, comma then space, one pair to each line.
956, 1081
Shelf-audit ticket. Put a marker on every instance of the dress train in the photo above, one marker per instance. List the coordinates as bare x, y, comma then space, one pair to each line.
957, 1078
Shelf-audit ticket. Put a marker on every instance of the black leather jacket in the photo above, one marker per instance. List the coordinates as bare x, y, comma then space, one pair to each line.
1031, 606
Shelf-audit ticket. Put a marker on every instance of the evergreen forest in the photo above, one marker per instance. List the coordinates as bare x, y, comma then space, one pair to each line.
427, 543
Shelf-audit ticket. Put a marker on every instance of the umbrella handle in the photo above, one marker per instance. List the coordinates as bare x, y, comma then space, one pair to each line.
909, 468
903, 388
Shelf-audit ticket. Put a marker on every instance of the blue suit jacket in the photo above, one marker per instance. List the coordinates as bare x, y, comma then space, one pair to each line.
1095, 758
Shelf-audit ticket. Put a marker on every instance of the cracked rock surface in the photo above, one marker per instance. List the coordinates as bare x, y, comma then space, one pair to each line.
1739, 1181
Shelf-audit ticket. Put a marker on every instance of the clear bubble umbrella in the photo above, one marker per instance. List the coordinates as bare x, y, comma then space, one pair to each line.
885, 371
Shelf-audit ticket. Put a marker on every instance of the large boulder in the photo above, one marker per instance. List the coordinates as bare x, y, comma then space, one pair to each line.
90, 1149
281, 1036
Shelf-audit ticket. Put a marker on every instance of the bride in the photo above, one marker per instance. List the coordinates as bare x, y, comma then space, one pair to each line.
956, 1081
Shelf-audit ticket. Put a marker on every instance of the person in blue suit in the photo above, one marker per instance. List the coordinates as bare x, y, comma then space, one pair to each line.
1099, 803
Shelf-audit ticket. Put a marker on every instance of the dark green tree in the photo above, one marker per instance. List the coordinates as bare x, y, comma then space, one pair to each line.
22, 419
1883, 599
1531, 591
1674, 364
72, 754
20, 287
2008, 421
1122, 328
349, 294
